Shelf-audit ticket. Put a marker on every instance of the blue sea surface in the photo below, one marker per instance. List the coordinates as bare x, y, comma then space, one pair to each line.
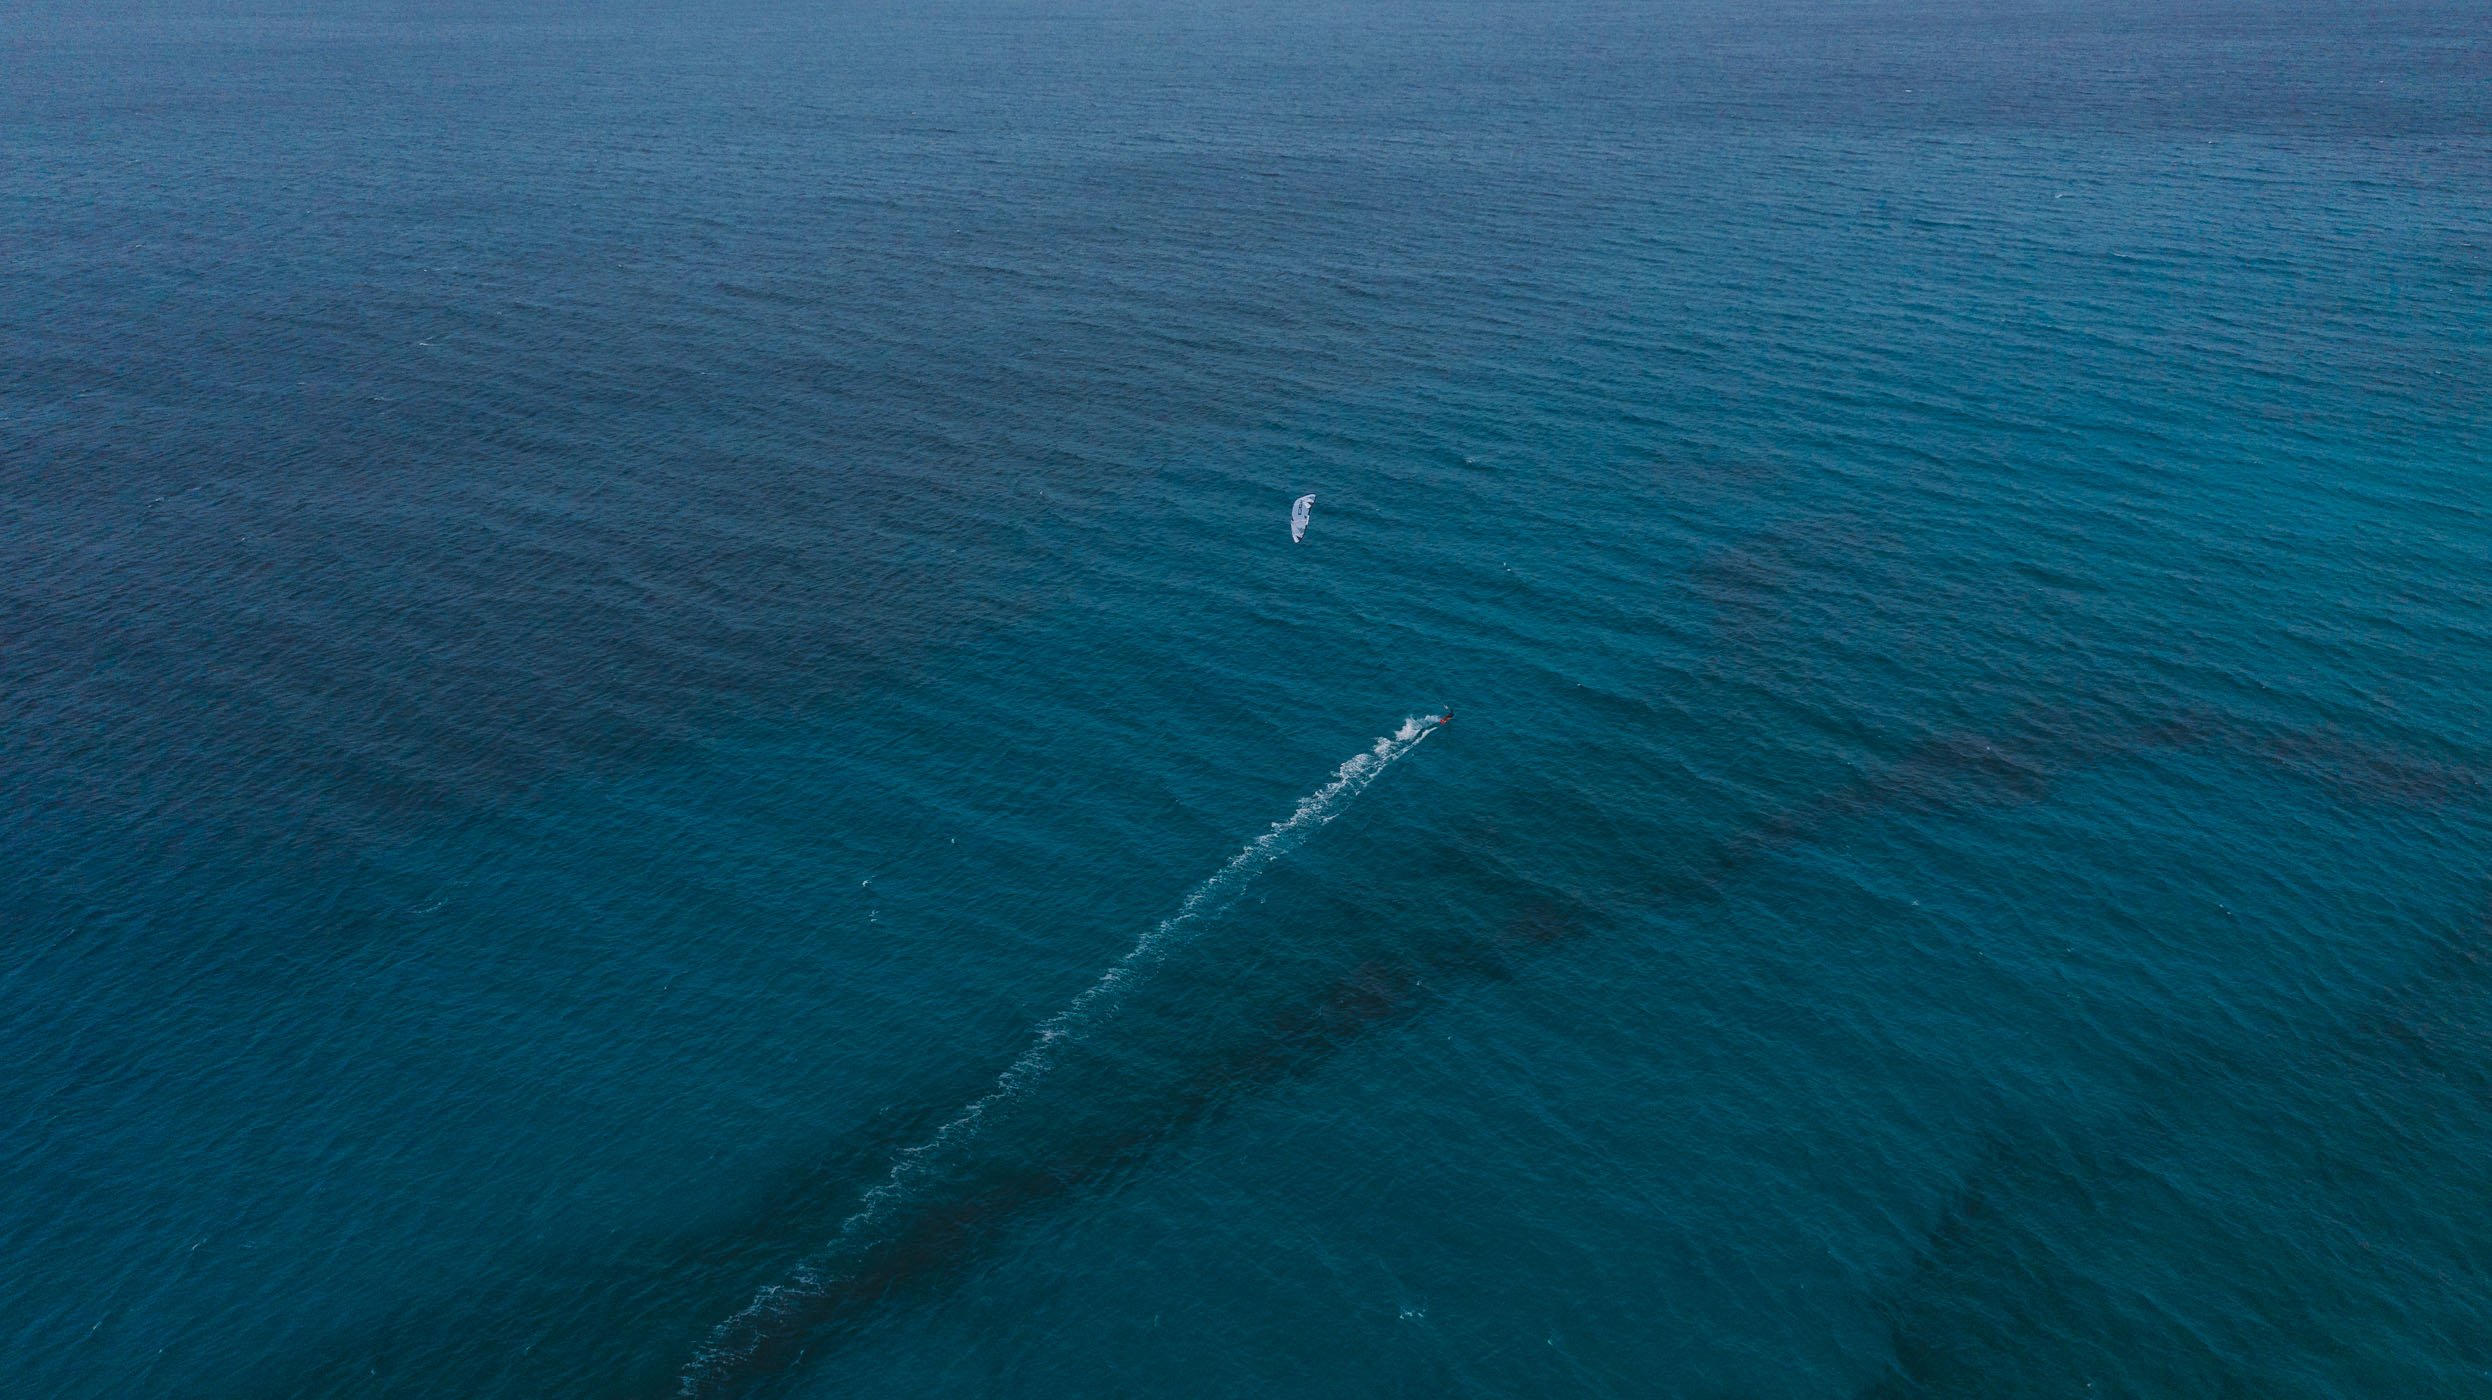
659, 733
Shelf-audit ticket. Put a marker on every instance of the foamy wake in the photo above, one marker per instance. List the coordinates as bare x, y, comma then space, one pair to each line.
734, 1342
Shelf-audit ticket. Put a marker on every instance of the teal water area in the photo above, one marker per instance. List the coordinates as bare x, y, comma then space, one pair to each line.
662, 736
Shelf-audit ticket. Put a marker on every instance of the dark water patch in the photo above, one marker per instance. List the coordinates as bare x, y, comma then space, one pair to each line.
2358, 769
2012, 765
959, 1226
2017, 1270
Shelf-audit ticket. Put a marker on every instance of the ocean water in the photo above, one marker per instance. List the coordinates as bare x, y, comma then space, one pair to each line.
659, 734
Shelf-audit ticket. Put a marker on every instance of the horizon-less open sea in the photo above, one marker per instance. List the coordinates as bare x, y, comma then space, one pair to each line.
659, 733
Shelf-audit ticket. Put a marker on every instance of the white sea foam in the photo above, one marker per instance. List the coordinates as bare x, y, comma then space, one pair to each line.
734, 1342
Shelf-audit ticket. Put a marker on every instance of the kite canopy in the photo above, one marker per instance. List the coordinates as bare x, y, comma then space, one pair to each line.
1298, 518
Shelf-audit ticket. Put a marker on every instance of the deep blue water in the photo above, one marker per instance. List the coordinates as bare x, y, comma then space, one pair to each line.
607, 613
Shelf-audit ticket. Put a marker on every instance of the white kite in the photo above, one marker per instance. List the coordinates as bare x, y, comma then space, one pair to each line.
1298, 518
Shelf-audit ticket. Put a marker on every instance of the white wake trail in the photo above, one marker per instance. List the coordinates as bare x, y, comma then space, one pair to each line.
734, 1342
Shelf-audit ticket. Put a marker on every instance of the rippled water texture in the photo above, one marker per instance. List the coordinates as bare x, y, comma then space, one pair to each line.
659, 733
